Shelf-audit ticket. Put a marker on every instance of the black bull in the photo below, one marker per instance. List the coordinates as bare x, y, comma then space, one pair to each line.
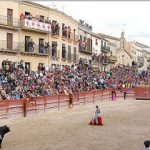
3, 130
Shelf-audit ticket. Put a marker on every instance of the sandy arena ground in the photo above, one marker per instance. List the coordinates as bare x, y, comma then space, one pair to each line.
126, 126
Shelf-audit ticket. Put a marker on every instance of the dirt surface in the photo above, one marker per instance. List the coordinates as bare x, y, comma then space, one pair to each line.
126, 126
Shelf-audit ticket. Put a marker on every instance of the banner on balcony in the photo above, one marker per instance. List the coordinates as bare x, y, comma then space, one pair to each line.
37, 25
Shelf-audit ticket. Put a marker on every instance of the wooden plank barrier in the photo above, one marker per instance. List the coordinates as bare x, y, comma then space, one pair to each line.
142, 93
35, 105
15, 108
3, 109
51, 102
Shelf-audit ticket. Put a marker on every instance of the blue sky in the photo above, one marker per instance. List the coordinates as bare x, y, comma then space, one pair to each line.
110, 17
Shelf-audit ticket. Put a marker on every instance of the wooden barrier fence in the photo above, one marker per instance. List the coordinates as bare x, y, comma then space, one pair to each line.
29, 107
142, 93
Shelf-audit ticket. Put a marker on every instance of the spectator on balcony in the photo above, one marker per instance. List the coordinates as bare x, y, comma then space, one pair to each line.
47, 21
41, 19
65, 32
69, 32
37, 18
57, 29
31, 45
22, 16
27, 45
42, 47
53, 26
29, 16
47, 46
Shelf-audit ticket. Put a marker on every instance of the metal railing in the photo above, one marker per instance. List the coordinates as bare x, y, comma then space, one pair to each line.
105, 48
13, 22
25, 48
22, 47
6, 46
85, 48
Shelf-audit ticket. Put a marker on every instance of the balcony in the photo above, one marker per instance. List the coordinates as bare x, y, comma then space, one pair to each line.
105, 49
22, 48
32, 25
140, 61
55, 31
8, 23
9, 47
100, 60
34, 50
83, 48
112, 59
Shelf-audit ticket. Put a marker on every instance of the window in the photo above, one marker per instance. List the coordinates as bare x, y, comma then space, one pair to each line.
102, 43
27, 67
105, 44
9, 41
81, 37
69, 52
63, 51
63, 26
10, 16
96, 42
75, 51
84, 39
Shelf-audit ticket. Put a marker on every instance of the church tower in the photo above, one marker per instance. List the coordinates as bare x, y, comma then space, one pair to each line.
122, 40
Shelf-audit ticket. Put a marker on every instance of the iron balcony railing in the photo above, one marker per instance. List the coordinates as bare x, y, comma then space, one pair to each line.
100, 60
34, 49
10, 22
84, 48
8, 46
105, 49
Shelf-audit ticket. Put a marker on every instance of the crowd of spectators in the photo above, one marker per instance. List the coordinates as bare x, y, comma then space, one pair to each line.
16, 82
36, 18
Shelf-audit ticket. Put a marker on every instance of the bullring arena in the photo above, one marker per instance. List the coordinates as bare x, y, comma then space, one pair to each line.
126, 126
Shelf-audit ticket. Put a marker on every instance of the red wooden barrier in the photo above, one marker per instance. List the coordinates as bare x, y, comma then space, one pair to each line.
142, 93
33, 106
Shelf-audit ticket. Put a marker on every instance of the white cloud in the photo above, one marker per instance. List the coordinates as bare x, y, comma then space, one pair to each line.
109, 17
